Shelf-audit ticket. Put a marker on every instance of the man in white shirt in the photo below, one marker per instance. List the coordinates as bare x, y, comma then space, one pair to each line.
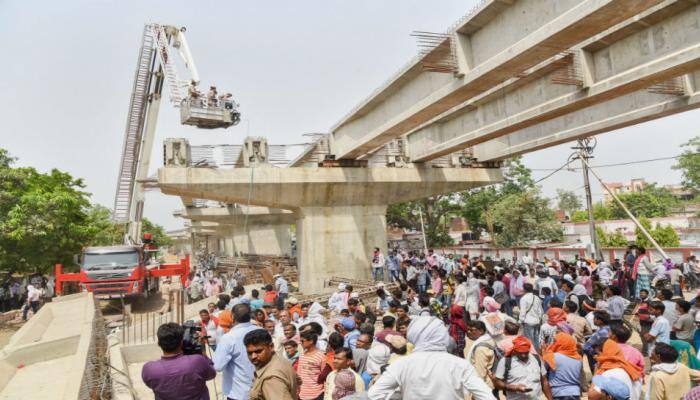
33, 301
429, 371
543, 281
531, 315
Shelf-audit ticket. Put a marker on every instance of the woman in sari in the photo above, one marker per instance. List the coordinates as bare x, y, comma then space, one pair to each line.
686, 354
640, 273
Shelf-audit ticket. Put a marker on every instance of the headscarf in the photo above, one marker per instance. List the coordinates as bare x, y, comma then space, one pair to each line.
457, 321
491, 305
428, 334
612, 357
344, 384
521, 344
564, 344
555, 315
225, 320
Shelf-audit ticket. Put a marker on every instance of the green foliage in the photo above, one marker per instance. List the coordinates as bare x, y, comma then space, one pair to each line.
104, 231
516, 177
521, 218
474, 203
651, 202
160, 238
46, 218
568, 201
689, 165
665, 236
43, 217
600, 213
435, 211
616, 239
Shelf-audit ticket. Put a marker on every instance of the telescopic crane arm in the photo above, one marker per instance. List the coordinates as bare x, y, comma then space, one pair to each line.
156, 66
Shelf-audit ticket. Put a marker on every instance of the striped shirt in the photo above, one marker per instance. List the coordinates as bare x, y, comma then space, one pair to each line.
310, 366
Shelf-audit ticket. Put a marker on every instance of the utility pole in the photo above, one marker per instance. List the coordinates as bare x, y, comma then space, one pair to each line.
585, 151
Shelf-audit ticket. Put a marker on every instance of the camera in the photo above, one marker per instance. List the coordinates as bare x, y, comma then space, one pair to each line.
192, 338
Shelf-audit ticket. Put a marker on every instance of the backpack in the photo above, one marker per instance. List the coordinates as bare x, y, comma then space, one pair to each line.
498, 354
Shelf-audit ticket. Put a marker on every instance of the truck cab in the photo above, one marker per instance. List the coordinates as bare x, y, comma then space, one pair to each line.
114, 271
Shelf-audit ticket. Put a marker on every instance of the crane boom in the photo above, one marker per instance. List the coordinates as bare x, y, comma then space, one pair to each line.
155, 67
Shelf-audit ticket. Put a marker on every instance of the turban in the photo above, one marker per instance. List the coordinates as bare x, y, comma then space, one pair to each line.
344, 384
564, 344
226, 320
612, 357
521, 344
555, 315
491, 305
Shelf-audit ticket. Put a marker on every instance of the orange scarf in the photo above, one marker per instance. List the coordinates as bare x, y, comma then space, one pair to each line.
564, 344
612, 357
226, 320
556, 315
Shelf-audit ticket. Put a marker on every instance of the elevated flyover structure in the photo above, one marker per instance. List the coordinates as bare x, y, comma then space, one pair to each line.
511, 77
528, 74
246, 230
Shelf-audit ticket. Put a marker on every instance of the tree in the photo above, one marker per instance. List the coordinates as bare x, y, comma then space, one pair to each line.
435, 211
600, 213
104, 231
665, 236
160, 238
517, 178
521, 218
616, 239
652, 201
474, 203
568, 201
43, 218
689, 165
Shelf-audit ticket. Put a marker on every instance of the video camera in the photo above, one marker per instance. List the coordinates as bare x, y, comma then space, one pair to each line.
192, 339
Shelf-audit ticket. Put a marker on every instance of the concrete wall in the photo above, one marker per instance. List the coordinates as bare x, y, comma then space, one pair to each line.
47, 357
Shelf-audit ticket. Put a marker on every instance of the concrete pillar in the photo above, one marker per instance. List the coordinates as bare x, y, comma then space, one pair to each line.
263, 239
340, 212
338, 241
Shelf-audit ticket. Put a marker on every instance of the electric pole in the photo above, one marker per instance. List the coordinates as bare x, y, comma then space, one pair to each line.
585, 151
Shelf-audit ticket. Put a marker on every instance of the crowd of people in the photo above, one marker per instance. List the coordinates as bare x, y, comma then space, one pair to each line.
26, 293
450, 327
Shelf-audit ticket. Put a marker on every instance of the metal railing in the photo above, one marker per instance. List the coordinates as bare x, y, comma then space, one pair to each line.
141, 328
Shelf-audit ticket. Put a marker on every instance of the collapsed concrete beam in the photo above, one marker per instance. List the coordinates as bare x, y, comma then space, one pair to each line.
641, 59
340, 212
487, 57
628, 110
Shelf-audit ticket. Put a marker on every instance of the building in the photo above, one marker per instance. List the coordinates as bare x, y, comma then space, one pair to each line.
687, 228
634, 185
638, 184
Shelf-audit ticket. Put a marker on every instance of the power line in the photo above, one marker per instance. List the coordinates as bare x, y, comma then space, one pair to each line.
619, 164
554, 171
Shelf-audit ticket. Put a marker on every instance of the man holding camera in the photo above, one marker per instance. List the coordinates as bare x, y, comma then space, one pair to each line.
176, 375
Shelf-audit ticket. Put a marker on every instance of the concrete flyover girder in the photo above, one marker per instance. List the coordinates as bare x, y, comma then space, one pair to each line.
340, 212
510, 41
662, 51
247, 230
627, 110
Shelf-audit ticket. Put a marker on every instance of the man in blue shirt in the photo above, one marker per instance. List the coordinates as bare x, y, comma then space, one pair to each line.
231, 356
601, 319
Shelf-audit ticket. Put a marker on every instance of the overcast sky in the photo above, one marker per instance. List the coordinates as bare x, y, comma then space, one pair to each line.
295, 67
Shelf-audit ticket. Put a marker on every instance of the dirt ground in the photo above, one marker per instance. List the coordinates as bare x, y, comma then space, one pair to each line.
6, 332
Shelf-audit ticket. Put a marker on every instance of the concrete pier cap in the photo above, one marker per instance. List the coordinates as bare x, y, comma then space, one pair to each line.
245, 230
340, 212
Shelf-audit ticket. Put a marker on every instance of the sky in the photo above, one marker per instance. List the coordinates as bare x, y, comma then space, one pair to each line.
294, 67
